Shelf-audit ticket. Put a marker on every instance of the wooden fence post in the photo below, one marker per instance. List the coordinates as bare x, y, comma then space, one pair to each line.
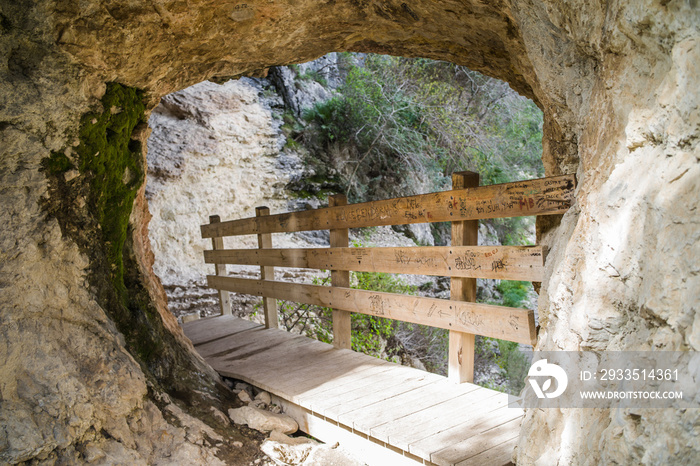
342, 325
218, 243
267, 273
461, 346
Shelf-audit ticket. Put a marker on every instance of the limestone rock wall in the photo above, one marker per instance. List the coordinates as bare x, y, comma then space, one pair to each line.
623, 273
618, 86
213, 151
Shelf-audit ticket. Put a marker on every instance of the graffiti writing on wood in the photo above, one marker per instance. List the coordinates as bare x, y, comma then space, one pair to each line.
466, 262
498, 265
432, 309
470, 318
376, 305
401, 258
513, 322
359, 254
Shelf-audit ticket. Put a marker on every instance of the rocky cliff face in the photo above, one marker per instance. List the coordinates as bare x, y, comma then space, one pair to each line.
218, 150
213, 152
618, 87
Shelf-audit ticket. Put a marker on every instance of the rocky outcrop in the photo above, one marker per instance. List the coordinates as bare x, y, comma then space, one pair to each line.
299, 86
262, 420
618, 87
213, 152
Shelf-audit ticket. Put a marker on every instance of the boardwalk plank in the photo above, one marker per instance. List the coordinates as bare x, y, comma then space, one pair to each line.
436, 418
209, 329
463, 453
500, 454
243, 344
383, 386
420, 415
357, 376
367, 418
474, 421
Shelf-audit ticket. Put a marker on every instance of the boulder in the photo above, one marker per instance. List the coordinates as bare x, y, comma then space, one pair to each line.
263, 421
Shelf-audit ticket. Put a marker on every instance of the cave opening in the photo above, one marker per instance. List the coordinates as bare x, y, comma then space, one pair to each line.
289, 140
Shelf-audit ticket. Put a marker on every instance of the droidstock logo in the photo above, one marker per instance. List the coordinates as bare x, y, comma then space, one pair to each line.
544, 369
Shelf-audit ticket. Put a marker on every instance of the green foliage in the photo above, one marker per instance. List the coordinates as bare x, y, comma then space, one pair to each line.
291, 128
313, 75
328, 116
56, 163
112, 161
514, 292
369, 333
378, 281
410, 123
512, 363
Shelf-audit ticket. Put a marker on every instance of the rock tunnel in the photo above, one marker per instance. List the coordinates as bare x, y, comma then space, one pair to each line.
92, 361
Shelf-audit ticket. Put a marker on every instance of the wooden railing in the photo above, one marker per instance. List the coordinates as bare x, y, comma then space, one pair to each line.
464, 261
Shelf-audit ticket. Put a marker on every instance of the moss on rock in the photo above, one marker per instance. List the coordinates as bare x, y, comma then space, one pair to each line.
113, 163
93, 209
56, 163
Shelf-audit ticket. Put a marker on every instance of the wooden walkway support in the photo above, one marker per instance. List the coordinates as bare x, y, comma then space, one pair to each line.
342, 324
460, 358
393, 414
267, 272
217, 244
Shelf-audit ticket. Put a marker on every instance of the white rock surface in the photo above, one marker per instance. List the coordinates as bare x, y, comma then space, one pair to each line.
288, 451
214, 150
244, 396
264, 397
219, 143
263, 421
285, 450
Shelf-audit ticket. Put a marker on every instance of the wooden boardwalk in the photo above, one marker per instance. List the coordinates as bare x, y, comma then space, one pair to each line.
372, 407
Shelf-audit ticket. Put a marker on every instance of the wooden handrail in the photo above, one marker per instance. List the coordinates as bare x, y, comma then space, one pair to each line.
506, 323
493, 262
544, 196
463, 262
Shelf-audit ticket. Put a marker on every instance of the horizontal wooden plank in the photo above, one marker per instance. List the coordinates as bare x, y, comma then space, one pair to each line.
462, 453
416, 426
479, 420
501, 322
368, 417
365, 394
214, 328
497, 456
383, 386
544, 196
495, 262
